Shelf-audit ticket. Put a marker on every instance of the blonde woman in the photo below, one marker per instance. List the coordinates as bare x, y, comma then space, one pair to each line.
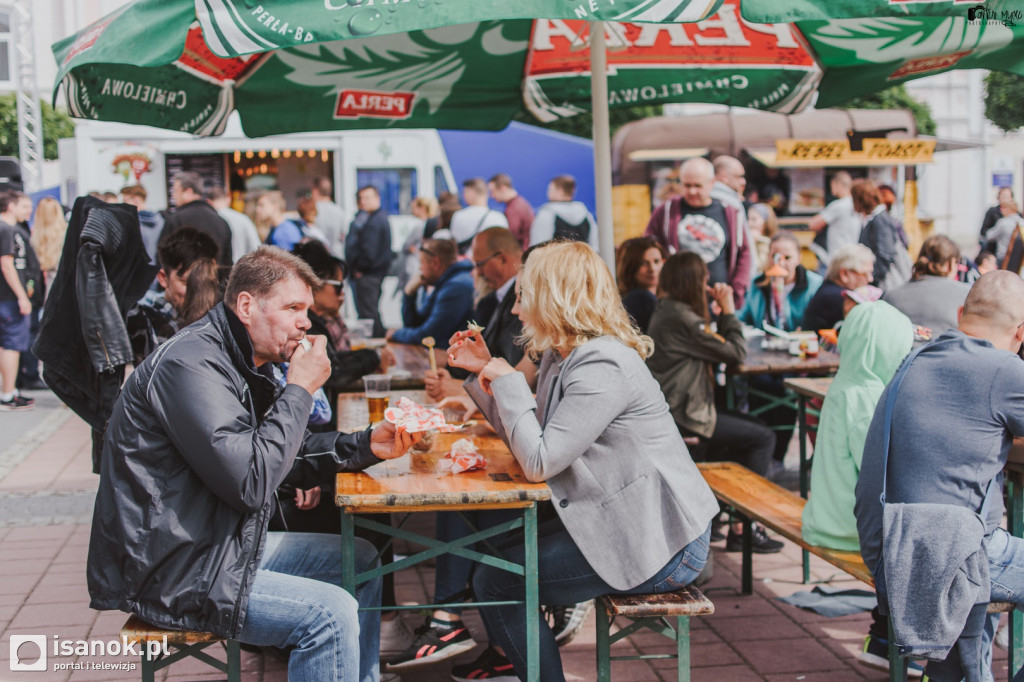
624, 524
48, 231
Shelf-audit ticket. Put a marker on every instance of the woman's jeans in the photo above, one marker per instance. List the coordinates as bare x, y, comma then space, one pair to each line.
297, 601
565, 577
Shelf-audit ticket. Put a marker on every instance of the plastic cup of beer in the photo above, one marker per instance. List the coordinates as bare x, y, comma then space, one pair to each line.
359, 333
378, 392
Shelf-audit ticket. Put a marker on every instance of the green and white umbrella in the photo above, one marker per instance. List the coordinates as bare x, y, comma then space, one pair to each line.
767, 11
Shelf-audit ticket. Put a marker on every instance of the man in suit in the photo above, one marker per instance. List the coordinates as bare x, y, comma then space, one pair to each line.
496, 258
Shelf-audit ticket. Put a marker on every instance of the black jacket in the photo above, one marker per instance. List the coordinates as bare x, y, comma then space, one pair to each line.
501, 329
199, 441
82, 338
881, 235
203, 217
368, 244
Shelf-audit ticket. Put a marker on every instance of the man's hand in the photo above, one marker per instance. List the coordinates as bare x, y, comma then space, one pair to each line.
387, 359
467, 350
307, 499
386, 442
388, 334
721, 294
310, 369
413, 284
440, 384
24, 305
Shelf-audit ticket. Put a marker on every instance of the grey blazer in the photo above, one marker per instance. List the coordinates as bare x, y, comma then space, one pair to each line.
600, 434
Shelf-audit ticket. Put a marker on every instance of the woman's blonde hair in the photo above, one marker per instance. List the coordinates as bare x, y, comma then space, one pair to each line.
567, 293
48, 231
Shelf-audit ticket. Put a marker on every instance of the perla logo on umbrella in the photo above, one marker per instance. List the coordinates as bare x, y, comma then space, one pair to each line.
367, 103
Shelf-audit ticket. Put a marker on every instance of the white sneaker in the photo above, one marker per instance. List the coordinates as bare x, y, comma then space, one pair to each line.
395, 637
567, 621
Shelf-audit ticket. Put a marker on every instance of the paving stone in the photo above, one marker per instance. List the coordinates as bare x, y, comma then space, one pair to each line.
787, 655
756, 627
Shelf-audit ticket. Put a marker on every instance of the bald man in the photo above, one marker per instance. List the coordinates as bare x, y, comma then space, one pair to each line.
959, 408
697, 222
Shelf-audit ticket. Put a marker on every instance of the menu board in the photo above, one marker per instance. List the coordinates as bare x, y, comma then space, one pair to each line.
209, 166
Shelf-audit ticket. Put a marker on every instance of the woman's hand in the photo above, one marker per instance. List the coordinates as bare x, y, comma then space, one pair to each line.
466, 349
721, 294
307, 499
387, 442
497, 367
465, 403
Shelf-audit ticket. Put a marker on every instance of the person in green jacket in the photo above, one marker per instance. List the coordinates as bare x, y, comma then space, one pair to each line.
875, 339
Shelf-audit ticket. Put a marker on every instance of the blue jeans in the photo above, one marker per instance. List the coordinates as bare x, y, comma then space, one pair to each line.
1006, 571
564, 577
297, 601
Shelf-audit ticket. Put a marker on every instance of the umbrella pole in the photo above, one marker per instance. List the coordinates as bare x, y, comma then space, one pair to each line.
602, 143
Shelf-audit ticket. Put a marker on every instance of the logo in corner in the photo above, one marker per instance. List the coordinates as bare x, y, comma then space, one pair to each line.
21, 649
371, 104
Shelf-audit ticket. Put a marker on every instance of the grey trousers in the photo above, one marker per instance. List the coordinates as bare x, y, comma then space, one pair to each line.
367, 294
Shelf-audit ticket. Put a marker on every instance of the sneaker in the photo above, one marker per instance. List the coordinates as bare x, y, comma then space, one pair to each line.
567, 621
432, 644
395, 637
762, 543
18, 402
718, 528
875, 654
490, 666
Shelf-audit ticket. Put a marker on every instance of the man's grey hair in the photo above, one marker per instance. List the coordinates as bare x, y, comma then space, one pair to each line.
850, 257
261, 270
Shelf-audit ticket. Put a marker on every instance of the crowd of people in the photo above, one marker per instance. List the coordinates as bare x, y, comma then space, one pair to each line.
574, 366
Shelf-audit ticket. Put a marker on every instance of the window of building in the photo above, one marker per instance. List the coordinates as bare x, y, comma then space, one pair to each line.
6, 38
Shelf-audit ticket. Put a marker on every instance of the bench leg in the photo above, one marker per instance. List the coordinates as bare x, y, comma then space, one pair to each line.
234, 660
747, 577
897, 664
148, 667
604, 625
683, 648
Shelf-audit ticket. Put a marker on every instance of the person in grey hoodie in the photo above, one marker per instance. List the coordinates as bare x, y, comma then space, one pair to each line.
562, 217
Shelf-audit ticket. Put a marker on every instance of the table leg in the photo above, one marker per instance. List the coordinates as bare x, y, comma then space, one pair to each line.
348, 558
802, 423
532, 605
1015, 524
730, 393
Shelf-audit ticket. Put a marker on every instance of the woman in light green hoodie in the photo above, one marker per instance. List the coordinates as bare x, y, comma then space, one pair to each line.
875, 339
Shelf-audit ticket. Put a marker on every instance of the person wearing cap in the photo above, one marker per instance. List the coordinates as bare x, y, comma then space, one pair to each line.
851, 267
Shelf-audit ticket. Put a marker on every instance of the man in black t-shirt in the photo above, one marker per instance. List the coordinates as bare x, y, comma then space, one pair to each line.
16, 289
696, 222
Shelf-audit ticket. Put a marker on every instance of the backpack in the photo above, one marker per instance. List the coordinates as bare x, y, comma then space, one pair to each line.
566, 231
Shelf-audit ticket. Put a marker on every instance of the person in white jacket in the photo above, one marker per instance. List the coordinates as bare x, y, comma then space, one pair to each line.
563, 218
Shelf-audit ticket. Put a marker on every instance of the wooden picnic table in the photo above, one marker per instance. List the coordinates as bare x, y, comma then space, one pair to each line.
762, 361
417, 483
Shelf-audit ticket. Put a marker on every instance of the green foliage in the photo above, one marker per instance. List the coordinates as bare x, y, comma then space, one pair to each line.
583, 125
56, 124
896, 97
1004, 100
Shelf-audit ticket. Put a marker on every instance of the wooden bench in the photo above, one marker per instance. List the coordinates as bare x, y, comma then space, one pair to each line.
755, 498
650, 611
186, 643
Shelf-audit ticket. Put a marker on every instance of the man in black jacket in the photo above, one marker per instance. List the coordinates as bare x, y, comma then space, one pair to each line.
191, 209
200, 439
368, 252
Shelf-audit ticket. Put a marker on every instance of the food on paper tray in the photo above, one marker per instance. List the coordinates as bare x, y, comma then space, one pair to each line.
415, 418
463, 457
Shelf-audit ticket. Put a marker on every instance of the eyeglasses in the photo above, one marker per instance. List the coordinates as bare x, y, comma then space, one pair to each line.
480, 264
428, 251
337, 284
